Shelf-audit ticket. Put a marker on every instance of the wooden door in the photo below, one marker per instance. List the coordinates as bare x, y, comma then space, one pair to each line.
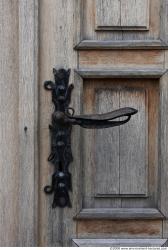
117, 52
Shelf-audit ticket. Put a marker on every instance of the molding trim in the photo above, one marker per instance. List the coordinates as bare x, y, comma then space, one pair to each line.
121, 45
120, 213
121, 73
118, 242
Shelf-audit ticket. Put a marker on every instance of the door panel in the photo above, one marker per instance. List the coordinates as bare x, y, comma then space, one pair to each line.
120, 229
117, 52
141, 18
117, 61
116, 162
122, 15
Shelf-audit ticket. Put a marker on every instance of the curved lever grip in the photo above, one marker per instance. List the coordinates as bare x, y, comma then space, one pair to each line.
103, 120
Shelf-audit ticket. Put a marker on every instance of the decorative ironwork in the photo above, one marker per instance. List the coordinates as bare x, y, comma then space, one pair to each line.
61, 125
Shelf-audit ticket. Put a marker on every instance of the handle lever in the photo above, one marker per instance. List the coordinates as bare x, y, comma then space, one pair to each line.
105, 120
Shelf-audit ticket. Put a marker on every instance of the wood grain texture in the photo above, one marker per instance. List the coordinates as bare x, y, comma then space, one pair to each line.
163, 159
146, 91
106, 153
107, 14
164, 21
133, 59
121, 153
135, 14
122, 15
134, 144
119, 213
9, 150
119, 242
59, 30
26, 217
119, 229
163, 148
155, 10
28, 116
90, 155
152, 92
88, 14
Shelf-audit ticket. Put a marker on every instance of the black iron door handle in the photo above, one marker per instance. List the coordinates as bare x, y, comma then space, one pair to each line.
105, 120
61, 125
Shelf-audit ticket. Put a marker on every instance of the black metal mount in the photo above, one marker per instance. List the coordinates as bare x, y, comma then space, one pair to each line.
61, 125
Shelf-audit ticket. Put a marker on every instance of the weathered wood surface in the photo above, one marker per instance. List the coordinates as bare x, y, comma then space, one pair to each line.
130, 59
18, 123
163, 148
107, 19
118, 242
28, 120
121, 153
164, 21
106, 161
9, 134
119, 228
26, 217
133, 143
98, 193
122, 15
90, 154
163, 157
134, 14
58, 33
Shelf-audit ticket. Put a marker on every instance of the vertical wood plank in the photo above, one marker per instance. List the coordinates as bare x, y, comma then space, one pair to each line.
133, 144
88, 13
9, 155
88, 151
163, 136
163, 156
163, 173
88, 145
154, 24
135, 13
107, 13
28, 112
106, 146
58, 33
164, 21
127, 14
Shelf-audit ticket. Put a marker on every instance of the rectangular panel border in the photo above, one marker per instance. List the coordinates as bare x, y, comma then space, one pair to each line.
161, 74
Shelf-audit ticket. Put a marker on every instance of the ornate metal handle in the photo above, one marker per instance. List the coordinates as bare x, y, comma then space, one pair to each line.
62, 120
